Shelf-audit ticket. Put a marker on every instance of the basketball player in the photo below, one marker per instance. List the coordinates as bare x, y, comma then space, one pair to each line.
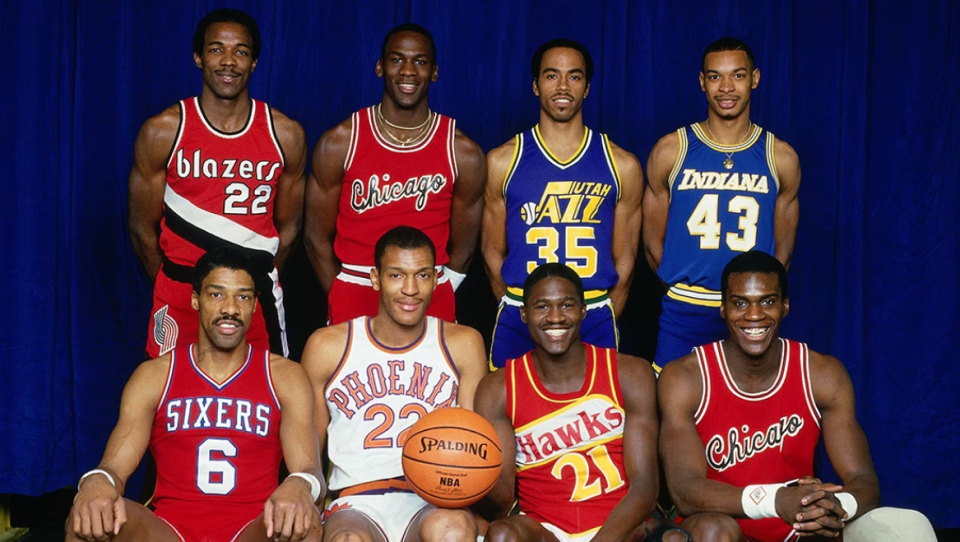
374, 378
211, 414
742, 417
717, 188
397, 162
579, 447
213, 170
561, 192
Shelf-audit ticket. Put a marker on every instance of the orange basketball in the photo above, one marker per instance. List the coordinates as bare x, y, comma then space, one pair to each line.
452, 457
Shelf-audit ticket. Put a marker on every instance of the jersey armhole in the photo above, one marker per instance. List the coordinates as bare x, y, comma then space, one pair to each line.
269, 371
703, 364
354, 138
441, 338
807, 383
452, 149
176, 139
343, 358
772, 159
613, 370
166, 387
517, 153
611, 163
510, 385
681, 156
273, 133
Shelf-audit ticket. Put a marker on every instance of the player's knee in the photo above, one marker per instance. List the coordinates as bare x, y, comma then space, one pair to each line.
502, 531
442, 525
714, 527
890, 525
345, 535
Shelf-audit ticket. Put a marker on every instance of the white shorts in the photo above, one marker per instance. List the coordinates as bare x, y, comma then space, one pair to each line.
392, 513
562, 536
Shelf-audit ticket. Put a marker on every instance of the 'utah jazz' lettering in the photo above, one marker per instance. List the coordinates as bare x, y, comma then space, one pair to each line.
567, 202
714, 180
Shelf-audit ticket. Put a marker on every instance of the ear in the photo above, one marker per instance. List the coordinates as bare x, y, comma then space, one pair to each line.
523, 313
703, 86
195, 301
723, 311
253, 67
197, 60
756, 78
583, 311
786, 306
433, 77
379, 68
536, 89
587, 92
375, 279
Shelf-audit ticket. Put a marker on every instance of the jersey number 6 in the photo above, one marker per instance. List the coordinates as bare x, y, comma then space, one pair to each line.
216, 476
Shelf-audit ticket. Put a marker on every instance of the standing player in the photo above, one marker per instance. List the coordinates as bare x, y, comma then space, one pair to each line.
374, 378
717, 188
397, 162
561, 192
579, 448
218, 169
741, 422
211, 414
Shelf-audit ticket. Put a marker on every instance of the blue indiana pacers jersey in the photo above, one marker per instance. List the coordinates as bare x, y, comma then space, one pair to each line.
561, 211
715, 212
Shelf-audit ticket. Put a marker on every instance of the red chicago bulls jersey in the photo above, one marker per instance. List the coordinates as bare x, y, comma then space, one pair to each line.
758, 438
217, 446
385, 185
221, 186
570, 470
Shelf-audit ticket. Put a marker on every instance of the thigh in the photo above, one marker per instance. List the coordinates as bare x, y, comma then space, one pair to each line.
511, 339
710, 526
351, 524
142, 526
256, 531
347, 301
893, 524
443, 304
374, 518
519, 528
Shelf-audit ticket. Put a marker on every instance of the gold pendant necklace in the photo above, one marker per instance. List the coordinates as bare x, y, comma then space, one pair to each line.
728, 162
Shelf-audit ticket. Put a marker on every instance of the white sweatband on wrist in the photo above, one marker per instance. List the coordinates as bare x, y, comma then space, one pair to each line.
760, 500
97, 471
314, 483
849, 504
456, 277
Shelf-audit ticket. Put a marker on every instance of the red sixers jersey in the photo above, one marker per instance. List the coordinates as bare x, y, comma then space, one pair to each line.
758, 438
570, 470
221, 186
385, 185
217, 446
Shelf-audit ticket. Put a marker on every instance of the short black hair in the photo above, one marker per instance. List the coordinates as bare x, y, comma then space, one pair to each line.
416, 29
755, 261
403, 237
225, 256
227, 15
548, 270
728, 43
558, 43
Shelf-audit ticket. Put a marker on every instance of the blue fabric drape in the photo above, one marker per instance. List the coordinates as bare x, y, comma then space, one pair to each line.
865, 91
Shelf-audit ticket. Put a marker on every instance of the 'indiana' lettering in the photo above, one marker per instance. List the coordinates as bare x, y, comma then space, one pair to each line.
737, 446
715, 180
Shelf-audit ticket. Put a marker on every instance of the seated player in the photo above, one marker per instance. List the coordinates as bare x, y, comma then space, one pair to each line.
741, 419
579, 447
374, 378
211, 414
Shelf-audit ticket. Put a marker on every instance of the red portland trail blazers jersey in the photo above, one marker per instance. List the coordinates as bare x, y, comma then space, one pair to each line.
758, 438
217, 446
385, 185
221, 187
570, 470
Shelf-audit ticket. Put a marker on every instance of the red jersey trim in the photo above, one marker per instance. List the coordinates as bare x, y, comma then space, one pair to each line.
452, 150
212, 382
343, 358
378, 137
807, 383
268, 369
179, 136
389, 349
510, 378
615, 392
705, 376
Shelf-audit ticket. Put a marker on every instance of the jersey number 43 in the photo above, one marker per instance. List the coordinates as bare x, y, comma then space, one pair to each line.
703, 223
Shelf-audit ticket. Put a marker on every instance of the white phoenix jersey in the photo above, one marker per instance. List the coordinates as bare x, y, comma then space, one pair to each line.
377, 393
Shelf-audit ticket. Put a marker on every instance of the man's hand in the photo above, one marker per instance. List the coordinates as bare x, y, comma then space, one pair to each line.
811, 508
98, 509
290, 512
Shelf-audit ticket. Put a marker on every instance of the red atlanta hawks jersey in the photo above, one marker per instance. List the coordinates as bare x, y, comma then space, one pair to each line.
385, 185
217, 446
570, 470
221, 186
758, 438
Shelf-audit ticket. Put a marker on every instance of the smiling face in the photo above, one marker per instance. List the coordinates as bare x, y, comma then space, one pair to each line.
753, 309
727, 79
406, 280
407, 69
225, 303
227, 60
562, 83
553, 313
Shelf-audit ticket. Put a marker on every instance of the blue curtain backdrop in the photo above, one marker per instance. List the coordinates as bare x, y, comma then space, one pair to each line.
865, 91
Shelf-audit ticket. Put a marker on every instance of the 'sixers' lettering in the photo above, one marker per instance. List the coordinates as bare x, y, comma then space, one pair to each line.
371, 195
724, 452
714, 180
196, 167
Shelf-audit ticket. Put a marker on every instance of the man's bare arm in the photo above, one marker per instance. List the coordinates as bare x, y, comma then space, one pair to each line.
323, 201
288, 204
320, 357
148, 180
466, 210
470, 358
656, 199
626, 225
491, 403
787, 213
640, 432
494, 237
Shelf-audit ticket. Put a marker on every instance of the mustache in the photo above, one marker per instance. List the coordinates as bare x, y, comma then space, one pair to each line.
228, 318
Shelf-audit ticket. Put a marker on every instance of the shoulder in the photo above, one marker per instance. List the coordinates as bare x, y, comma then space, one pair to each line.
666, 149
466, 145
324, 349
492, 392
502, 154
828, 377
681, 378
287, 127
626, 161
787, 161
161, 128
461, 336
635, 370
148, 381
336, 138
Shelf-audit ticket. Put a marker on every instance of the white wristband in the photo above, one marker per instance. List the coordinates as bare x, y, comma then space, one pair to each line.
456, 277
97, 471
314, 483
849, 504
760, 500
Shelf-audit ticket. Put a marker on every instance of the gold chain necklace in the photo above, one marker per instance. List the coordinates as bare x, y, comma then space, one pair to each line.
728, 162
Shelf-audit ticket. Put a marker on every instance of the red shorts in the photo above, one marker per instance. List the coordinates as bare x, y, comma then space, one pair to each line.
173, 322
348, 300
196, 522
